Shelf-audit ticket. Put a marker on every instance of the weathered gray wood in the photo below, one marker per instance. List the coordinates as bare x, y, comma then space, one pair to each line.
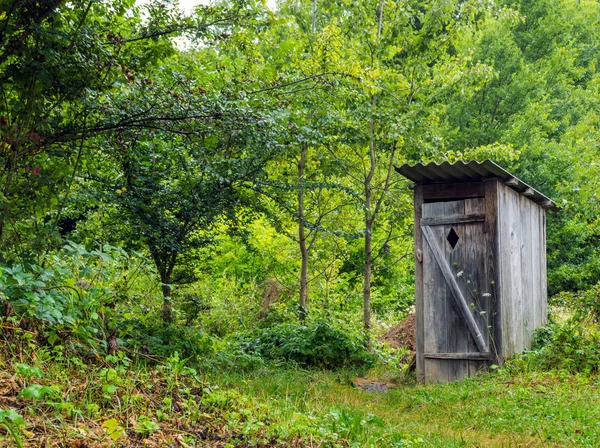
516, 325
475, 284
501, 250
526, 271
542, 256
528, 192
457, 190
420, 363
457, 295
474, 356
452, 219
491, 268
456, 328
434, 305
504, 275
536, 268
508, 275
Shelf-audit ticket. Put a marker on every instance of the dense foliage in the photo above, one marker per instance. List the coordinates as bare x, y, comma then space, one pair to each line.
215, 186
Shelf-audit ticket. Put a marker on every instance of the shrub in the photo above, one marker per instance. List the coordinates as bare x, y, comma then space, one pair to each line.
318, 344
585, 304
149, 336
67, 292
572, 346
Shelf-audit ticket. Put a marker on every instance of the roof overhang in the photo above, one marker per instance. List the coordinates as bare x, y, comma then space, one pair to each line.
471, 172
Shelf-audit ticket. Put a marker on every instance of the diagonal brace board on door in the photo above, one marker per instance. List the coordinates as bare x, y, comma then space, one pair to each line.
457, 295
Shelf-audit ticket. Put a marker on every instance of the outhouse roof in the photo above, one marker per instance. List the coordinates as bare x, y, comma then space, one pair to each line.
471, 172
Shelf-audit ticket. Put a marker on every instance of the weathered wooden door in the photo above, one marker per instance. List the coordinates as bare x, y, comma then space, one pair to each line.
458, 298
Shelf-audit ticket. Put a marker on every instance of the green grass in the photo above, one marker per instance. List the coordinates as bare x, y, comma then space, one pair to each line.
47, 396
501, 409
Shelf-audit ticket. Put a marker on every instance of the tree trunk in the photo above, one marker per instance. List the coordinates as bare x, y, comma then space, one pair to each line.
165, 263
369, 216
367, 266
167, 310
302, 238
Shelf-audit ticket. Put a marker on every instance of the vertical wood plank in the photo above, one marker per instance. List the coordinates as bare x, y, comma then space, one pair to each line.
515, 269
492, 260
418, 202
526, 271
536, 270
449, 276
476, 289
503, 285
544, 281
457, 331
434, 303
510, 268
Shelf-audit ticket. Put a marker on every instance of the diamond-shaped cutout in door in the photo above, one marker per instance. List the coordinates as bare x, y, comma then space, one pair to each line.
453, 238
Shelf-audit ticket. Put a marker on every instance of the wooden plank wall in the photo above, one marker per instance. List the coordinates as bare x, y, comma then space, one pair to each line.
456, 328
522, 269
445, 331
511, 249
479, 287
436, 302
492, 268
418, 202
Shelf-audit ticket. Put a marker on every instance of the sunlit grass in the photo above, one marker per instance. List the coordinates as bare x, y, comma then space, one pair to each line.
509, 408
70, 401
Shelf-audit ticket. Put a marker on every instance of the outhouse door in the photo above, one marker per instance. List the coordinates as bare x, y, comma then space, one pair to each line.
457, 297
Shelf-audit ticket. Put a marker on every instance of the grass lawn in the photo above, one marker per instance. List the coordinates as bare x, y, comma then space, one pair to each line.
74, 404
500, 409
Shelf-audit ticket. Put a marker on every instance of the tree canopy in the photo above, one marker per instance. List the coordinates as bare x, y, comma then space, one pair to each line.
255, 144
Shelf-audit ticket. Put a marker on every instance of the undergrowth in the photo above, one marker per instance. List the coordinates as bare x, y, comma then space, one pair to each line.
85, 362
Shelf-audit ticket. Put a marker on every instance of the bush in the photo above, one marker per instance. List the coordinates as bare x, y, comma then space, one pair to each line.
72, 292
318, 344
572, 346
151, 337
585, 304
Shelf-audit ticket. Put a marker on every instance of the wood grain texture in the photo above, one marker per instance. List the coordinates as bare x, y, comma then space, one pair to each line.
452, 219
526, 272
456, 328
536, 264
452, 191
459, 299
509, 280
492, 255
464, 326
514, 221
474, 356
476, 284
522, 276
420, 363
435, 302
544, 278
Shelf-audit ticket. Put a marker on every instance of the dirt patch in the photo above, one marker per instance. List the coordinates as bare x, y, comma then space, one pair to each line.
403, 335
371, 385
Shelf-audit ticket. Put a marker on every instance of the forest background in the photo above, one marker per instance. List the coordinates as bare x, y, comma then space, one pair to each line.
218, 185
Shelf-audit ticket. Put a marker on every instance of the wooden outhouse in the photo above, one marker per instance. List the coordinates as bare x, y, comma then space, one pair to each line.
480, 266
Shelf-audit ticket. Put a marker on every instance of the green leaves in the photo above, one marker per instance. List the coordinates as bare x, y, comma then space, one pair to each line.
113, 429
317, 344
39, 392
13, 423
